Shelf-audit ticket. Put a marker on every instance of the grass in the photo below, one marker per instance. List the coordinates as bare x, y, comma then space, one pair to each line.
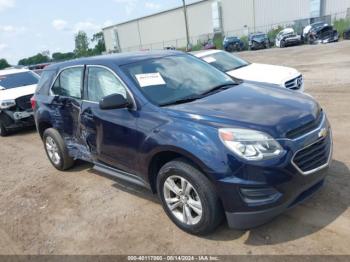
341, 25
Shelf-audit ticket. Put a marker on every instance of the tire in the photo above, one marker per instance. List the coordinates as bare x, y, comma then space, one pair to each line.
201, 193
3, 130
65, 162
283, 44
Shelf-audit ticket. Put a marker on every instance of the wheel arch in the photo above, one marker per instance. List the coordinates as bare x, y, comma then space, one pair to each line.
163, 156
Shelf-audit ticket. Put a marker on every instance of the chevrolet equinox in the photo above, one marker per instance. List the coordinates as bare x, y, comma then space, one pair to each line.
210, 147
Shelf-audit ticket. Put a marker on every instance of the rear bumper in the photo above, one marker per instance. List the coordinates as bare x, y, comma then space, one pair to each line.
247, 220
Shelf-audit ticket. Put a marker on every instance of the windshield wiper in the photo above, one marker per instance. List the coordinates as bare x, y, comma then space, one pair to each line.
238, 67
182, 100
219, 87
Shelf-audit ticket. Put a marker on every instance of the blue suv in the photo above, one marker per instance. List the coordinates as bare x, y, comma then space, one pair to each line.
210, 147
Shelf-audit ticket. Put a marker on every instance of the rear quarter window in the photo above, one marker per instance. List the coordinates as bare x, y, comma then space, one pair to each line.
45, 81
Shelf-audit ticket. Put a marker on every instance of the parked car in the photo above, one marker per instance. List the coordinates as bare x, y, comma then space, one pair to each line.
310, 27
207, 145
258, 41
233, 43
209, 45
17, 86
323, 35
287, 37
261, 74
346, 34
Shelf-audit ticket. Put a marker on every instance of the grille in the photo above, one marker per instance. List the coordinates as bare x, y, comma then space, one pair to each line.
295, 84
314, 156
308, 127
24, 102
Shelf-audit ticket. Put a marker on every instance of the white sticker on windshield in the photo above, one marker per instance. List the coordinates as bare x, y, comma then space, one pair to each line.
152, 79
209, 59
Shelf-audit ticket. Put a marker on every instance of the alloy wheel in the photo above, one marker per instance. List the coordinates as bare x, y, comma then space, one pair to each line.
182, 200
52, 150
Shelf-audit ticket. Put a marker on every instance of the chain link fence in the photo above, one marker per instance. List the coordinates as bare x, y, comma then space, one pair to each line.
198, 42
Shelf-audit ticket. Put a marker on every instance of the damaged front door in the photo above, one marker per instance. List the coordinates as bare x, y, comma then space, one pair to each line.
111, 135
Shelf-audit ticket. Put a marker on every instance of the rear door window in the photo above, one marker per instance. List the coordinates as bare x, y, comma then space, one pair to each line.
69, 83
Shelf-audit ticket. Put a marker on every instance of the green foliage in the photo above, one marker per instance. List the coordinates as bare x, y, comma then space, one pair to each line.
33, 60
81, 44
4, 64
245, 41
274, 32
218, 41
100, 45
341, 25
62, 56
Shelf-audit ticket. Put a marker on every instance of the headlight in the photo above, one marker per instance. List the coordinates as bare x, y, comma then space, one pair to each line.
250, 144
5, 104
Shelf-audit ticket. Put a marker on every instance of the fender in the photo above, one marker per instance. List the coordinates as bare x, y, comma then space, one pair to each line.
186, 139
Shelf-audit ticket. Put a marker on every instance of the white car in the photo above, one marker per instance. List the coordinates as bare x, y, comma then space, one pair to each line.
17, 86
287, 37
284, 77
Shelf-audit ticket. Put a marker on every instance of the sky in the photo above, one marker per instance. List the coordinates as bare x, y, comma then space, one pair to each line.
28, 27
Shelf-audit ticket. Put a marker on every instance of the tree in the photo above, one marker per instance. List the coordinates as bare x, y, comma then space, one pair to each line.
4, 64
100, 45
81, 44
62, 56
34, 60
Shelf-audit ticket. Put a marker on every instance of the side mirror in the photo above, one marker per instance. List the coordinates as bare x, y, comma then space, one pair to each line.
114, 101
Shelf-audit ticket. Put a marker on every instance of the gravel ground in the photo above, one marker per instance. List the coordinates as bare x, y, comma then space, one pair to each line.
43, 211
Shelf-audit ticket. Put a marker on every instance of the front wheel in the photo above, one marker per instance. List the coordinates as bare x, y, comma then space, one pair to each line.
3, 130
56, 150
189, 198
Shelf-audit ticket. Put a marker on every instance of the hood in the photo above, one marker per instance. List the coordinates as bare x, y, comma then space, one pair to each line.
270, 74
272, 110
15, 93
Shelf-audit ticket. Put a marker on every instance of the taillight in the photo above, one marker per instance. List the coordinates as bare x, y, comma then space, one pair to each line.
33, 102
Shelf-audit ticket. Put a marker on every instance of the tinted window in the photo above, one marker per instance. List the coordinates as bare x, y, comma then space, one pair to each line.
18, 80
102, 83
225, 61
69, 83
169, 79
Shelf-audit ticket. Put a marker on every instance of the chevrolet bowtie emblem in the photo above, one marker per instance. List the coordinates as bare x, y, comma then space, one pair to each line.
323, 133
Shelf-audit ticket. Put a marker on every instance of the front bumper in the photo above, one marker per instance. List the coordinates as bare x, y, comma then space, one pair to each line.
247, 220
14, 120
256, 193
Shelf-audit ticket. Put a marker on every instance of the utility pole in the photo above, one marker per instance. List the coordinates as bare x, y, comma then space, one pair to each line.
254, 22
186, 24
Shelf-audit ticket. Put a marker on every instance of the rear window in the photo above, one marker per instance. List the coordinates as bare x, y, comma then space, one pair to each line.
46, 79
18, 80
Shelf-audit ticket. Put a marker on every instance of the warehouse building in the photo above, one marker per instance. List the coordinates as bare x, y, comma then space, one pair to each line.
207, 17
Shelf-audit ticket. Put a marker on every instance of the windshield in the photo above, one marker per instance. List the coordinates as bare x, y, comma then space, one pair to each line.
225, 61
167, 80
259, 37
18, 80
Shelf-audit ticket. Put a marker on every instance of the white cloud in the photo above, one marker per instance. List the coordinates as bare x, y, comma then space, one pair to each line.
10, 29
150, 5
3, 47
60, 25
5, 4
129, 5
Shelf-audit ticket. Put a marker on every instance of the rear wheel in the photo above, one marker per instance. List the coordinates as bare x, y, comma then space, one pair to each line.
189, 198
56, 150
